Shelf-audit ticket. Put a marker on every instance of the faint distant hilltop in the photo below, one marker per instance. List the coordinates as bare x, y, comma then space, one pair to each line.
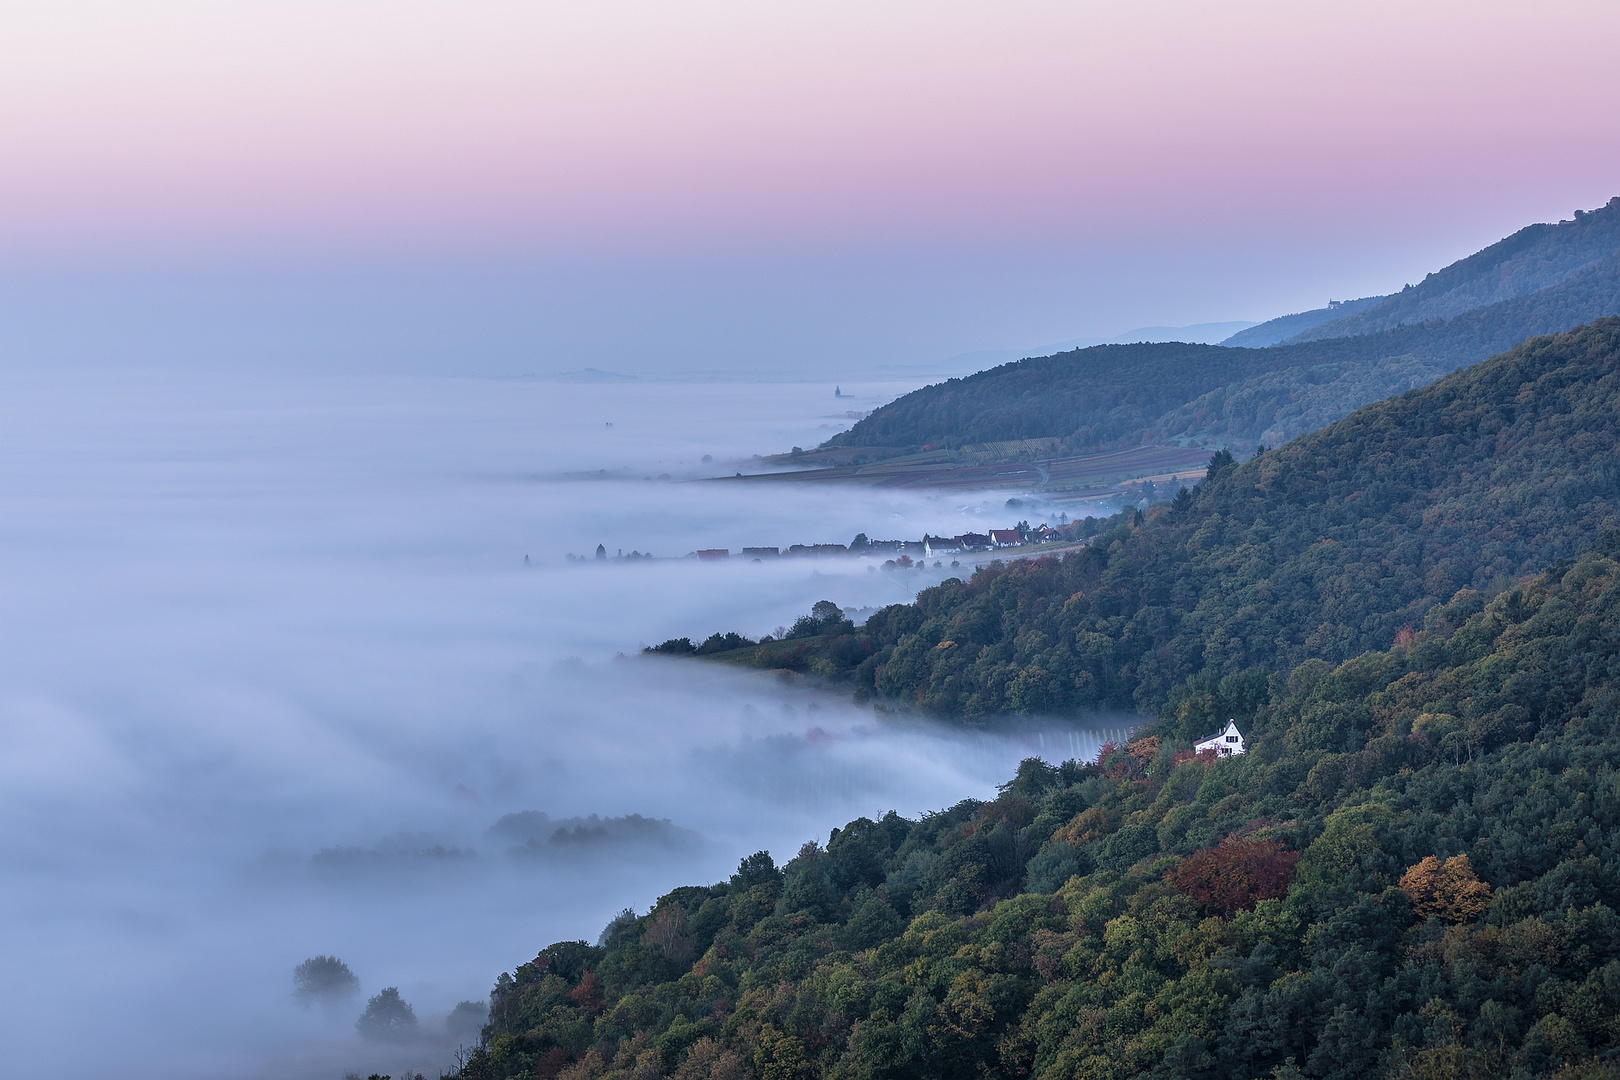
1271, 382
1285, 327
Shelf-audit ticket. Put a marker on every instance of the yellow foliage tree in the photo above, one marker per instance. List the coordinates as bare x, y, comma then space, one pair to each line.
1448, 890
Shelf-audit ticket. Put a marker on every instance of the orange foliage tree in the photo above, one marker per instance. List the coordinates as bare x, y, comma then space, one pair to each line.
1448, 890
1235, 874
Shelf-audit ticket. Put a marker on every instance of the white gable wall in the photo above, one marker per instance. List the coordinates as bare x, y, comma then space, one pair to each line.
1226, 742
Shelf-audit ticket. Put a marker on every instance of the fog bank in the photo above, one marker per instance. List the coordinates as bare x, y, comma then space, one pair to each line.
286, 654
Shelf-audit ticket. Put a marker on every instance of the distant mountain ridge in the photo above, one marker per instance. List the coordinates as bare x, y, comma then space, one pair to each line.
1284, 327
1543, 279
1534, 258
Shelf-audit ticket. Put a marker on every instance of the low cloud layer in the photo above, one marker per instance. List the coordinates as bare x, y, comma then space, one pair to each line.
278, 683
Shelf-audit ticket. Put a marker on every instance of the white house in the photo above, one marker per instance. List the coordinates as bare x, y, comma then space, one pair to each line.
1225, 742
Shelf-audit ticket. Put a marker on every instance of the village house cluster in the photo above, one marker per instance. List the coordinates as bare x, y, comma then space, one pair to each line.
902, 553
928, 547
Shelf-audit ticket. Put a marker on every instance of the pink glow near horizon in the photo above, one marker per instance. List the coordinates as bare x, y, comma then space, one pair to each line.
738, 125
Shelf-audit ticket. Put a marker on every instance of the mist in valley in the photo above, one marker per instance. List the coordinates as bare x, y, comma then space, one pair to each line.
298, 666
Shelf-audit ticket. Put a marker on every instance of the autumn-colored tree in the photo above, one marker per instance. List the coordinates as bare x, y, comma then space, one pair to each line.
588, 993
1235, 874
1129, 761
1447, 890
1144, 750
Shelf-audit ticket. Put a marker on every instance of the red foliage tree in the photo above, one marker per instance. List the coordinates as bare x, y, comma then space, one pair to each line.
1235, 874
588, 993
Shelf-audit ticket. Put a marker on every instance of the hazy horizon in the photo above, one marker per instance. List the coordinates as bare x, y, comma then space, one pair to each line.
720, 188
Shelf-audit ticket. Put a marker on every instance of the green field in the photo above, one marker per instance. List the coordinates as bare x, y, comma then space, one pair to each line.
1088, 476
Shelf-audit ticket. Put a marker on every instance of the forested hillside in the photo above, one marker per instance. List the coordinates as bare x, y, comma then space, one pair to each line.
1414, 616
1414, 872
1324, 548
1112, 396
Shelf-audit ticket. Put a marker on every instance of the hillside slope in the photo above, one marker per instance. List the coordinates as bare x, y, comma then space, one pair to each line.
1411, 874
1323, 548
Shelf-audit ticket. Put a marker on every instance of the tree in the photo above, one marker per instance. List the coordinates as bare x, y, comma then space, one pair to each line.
467, 1019
588, 994
388, 1018
325, 979
1235, 874
669, 931
825, 618
620, 923
756, 869
1447, 890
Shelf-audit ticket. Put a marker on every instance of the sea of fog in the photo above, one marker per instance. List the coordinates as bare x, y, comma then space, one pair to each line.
281, 650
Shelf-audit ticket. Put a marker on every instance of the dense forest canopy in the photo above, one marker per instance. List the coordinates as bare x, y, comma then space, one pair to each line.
1413, 872
1116, 395
1324, 548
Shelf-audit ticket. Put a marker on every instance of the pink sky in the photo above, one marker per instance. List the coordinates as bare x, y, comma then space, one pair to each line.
1384, 137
